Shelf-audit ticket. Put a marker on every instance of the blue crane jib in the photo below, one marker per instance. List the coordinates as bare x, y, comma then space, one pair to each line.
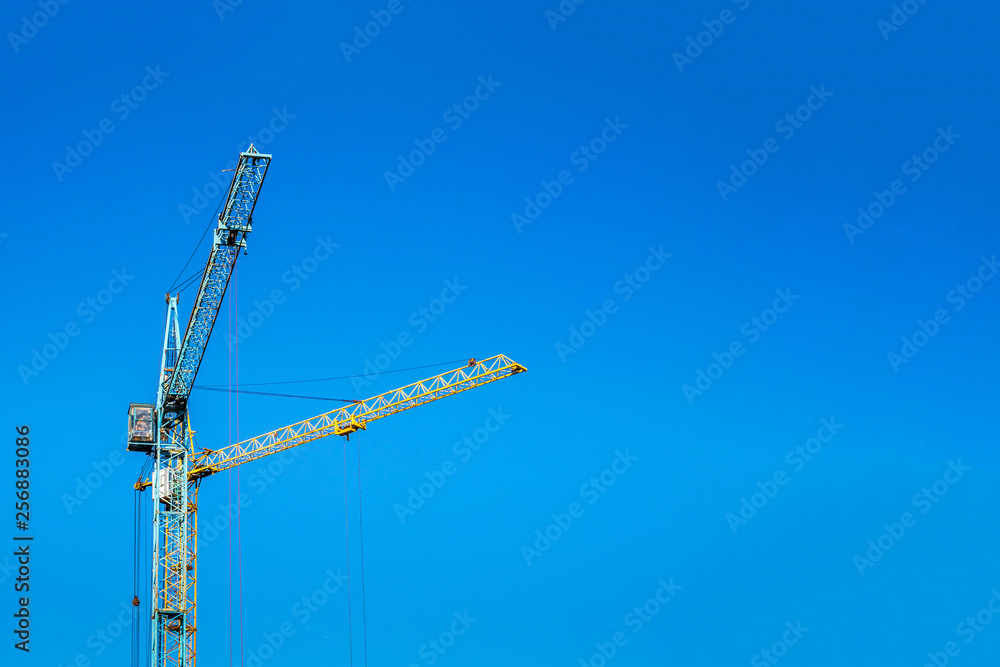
235, 222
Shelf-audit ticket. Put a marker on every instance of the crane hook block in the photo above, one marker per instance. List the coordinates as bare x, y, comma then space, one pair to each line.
348, 428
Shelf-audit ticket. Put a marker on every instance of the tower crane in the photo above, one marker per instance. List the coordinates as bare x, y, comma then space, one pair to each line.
162, 430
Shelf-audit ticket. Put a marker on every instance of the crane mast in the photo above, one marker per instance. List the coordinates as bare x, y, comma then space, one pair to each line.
163, 430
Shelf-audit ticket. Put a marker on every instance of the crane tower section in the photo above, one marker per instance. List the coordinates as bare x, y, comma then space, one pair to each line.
164, 432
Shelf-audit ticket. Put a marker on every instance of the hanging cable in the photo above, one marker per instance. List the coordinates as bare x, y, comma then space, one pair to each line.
135, 583
229, 528
239, 518
145, 520
146, 468
140, 646
361, 536
229, 567
267, 393
142, 581
201, 240
347, 537
342, 377
190, 280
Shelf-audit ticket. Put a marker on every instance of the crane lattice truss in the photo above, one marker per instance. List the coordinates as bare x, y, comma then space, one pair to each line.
349, 419
235, 223
163, 431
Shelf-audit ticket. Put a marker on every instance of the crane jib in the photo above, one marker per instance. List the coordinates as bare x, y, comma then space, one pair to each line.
235, 223
351, 418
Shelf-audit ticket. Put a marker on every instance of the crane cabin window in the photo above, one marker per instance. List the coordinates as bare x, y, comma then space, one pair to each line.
141, 422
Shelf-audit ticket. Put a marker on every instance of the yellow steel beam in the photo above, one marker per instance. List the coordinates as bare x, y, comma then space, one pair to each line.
351, 418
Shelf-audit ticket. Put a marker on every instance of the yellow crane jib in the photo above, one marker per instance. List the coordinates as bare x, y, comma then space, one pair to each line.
351, 418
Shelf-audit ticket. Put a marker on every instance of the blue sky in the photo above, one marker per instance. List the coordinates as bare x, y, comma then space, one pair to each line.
695, 299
